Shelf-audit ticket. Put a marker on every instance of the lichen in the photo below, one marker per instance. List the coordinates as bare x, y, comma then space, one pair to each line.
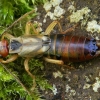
83, 15
57, 12
92, 26
54, 89
86, 86
79, 14
57, 74
71, 8
69, 90
96, 85
87, 79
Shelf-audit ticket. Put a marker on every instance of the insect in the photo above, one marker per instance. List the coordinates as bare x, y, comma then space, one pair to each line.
55, 48
65, 47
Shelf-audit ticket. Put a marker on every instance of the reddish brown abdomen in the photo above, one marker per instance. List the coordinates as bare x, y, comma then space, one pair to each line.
72, 48
4, 48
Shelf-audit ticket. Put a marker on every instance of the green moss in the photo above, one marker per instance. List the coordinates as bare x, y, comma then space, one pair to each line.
12, 9
15, 83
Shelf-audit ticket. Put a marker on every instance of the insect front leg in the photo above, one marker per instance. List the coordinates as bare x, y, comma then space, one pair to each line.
12, 58
7, 35
30, 25
29, 73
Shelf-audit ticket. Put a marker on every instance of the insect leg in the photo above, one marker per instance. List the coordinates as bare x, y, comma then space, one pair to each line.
54, 61
67, 30
30, 25
7, 35
12, 58
50, 28
27, 70
54, 23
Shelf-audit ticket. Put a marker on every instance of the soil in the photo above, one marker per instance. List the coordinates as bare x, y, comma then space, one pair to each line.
74, 78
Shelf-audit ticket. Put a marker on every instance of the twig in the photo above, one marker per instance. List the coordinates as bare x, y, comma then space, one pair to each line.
26, 14
15, 77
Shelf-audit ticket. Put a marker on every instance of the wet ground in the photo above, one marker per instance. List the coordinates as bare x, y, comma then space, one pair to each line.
75, 81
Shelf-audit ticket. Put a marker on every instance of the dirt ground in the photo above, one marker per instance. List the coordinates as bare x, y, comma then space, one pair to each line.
75, 81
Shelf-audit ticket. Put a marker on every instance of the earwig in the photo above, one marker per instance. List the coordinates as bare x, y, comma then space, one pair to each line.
55, 48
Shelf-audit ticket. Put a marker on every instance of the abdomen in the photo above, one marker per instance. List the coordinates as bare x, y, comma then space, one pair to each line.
71, 48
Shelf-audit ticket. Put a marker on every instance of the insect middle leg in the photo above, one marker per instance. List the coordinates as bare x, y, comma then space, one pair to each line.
28, 27
12, 58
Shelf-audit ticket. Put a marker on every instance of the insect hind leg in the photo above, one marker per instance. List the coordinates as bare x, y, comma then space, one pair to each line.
54, 23
29, 73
